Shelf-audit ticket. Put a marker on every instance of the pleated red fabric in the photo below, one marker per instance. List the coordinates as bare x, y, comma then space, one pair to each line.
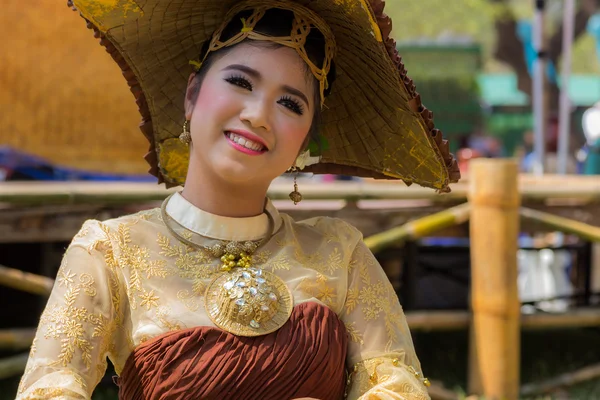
304, 358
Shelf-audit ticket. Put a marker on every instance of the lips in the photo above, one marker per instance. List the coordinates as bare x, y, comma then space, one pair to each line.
246, 140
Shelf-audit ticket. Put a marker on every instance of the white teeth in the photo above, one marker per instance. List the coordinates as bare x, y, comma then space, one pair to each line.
244, 142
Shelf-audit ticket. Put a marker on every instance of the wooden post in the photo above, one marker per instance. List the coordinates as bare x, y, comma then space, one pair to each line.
494, 352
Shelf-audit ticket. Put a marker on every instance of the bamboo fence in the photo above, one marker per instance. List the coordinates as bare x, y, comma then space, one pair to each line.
419, 228
493, 239
565, 380
494, 347
584, 231
27, 282
13, 365
579, 189
16, 339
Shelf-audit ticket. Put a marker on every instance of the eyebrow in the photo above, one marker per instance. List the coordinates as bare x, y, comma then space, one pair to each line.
256, 75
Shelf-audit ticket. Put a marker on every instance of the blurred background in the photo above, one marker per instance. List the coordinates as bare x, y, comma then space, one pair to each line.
516, 79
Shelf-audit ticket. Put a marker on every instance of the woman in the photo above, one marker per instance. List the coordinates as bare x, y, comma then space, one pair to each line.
216, 295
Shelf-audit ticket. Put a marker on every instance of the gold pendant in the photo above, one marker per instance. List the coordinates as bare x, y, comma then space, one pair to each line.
248, 302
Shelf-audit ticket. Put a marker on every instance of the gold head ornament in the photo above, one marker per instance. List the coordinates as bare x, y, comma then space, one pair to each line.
304, 21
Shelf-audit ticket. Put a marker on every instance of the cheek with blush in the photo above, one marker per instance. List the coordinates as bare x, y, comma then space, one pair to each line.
292, 138
214, 105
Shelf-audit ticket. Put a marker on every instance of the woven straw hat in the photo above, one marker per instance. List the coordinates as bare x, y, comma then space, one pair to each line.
374, 121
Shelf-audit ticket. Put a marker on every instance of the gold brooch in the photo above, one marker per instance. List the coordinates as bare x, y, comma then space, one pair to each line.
248, 302
242, 300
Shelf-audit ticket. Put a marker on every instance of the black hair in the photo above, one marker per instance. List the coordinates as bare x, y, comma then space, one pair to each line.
275, 22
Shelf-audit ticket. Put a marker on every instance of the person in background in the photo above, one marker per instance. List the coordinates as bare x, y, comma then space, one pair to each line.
591, 130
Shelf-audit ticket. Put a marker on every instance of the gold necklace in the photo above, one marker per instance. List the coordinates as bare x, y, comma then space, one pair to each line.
243, 299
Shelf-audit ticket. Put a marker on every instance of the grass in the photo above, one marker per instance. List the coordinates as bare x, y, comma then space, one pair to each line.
544, 354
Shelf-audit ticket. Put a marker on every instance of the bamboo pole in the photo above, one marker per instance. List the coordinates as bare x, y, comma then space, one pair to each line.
565, 380
25, 281
14, 365
494, 351
581, 229
430, 321
419, 228
585, 188
538, 96
16, 339
456, 320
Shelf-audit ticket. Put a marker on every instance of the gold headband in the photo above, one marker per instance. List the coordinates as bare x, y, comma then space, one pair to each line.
304, 19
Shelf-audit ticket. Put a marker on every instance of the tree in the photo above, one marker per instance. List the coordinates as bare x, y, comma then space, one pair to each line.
493, 24
503, 51
509, 48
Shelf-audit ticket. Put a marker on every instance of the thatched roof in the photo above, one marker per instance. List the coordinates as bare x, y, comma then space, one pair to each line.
62, 96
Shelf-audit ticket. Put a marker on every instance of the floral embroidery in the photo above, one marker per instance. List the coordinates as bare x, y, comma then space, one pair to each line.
189, 299
319, 289
82, 233
196, 266
334, 261
65, 277
261, 256
48, 393
391, 375
354, 333
351, 299
163, 314
376, 299
136, 259
33, 349
279, 264
149, 299
65, 322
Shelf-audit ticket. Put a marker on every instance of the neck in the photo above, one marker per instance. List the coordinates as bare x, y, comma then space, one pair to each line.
213, 195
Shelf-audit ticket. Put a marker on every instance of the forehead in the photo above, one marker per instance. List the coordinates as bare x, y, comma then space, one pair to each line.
278, 65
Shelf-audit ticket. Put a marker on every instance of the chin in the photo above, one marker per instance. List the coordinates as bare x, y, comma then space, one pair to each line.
238, 173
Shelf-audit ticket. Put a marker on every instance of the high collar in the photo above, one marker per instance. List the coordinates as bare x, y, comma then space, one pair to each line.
219, 227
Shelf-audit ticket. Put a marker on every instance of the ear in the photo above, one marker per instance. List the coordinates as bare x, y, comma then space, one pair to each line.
190, 94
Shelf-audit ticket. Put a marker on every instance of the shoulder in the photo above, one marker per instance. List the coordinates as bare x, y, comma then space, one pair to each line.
325, 229
94, 231
145, 217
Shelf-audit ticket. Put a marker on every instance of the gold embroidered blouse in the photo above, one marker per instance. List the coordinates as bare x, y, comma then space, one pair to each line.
126, 280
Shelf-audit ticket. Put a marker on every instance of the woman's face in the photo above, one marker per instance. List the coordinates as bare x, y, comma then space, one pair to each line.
252, 115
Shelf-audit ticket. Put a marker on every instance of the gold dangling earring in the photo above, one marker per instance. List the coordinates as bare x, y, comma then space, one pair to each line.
186, 137
295, 196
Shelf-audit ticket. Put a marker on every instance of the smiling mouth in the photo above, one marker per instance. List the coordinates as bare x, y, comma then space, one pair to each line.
245, 142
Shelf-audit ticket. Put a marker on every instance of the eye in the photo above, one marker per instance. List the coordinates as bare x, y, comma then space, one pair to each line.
292, 105
240, 81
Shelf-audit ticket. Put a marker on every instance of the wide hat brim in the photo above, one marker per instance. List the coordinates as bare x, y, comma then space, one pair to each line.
374, 122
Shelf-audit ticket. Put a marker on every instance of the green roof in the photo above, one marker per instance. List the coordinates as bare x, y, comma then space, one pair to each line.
501, 90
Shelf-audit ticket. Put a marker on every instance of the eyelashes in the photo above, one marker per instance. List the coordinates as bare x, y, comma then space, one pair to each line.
240, 81
292, 104
287, 101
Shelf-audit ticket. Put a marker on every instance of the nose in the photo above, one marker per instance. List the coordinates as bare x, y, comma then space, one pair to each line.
256, 113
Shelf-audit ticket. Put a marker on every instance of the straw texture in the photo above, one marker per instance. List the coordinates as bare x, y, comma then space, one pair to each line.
375, 122
62, 98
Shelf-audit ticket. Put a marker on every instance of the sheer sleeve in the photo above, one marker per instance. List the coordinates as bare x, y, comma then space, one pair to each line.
381, 355
77, 327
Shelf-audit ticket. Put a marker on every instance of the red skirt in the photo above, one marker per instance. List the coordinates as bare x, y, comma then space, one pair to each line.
304, 358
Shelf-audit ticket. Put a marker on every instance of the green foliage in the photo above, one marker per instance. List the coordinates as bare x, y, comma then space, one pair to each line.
317, 148
433, 19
